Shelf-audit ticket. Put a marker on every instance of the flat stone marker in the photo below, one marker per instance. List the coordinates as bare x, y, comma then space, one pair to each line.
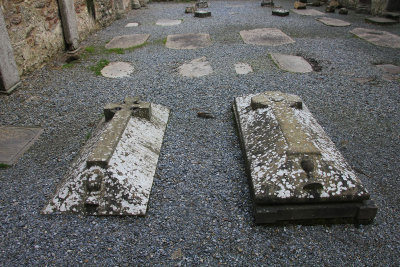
243, 68
381, 21
127, 41
266, 36
117, 70
333, 22
15, 141
188, 41
202, 13
291, 63
295, 172
379, 38
132, 24
308, 12
196, 68
389, 68
114, 172
168, 22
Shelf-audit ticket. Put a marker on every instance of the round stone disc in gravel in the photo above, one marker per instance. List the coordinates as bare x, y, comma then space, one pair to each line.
280, 12
132, 24
308, 12
127, 41
117, 70
376, 37
266, 36
196, 68
333, 22
243, 68
202, 13
291, 63
188, 41
168, 22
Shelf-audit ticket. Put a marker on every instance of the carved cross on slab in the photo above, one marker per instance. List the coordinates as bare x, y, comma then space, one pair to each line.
117, 116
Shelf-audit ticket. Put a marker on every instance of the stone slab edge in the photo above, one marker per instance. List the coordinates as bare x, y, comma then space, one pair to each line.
72, 180
321, 213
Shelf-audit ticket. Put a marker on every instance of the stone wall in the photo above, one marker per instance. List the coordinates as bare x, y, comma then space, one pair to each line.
35, 30
378, 6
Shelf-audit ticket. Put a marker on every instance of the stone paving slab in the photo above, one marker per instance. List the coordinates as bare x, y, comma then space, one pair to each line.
15, 141
333, 22
132, 24
168, 22
127, 41
390, 68
377, 37
124, 186
292, 162
308, 12
117, 70
196, 68
381, 21
188, 41
266, 37
243, 68
291, 63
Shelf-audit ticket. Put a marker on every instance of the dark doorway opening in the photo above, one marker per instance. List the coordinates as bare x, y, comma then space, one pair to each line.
91, 9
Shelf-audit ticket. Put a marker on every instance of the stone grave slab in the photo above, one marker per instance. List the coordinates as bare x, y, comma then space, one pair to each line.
389, 68
168, 22
243, 68
15, 141
132, 24
267, 3
202, 13
266, 36
114, 171
333, 22
188, 41
196, 68
308, 12
291, 63
127, 41
379, 38
295, 173
381, 21
117, 70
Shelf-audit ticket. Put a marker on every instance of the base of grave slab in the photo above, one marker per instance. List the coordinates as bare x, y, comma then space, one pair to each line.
10, 90
357, 213
381, 21
15, 141
202, 14
295, 173
280, 12
115, 178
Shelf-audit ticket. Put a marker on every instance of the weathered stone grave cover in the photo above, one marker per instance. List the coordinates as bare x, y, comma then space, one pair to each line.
117, 70
188, 41
127, 41
333, 22
202, 13
295, 172
243, 68
196, 68
168, 22
291, 63
113, 174
381, 21
132, 24
376, 37
14, 141
308, 12
265, 36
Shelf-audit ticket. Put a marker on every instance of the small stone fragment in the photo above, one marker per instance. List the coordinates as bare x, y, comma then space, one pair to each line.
334, 3
267, 3
300, 5
136, 4
343, 11
190, 9
201, 4
316, 3
330, 9
196, 68
206, 115
202, 14
243, 68
280, 12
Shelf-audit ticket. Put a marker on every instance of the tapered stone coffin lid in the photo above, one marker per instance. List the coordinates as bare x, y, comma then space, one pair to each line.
113, 174
292, 163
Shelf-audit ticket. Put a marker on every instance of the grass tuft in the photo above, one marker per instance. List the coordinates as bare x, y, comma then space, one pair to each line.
4, 166
99, 66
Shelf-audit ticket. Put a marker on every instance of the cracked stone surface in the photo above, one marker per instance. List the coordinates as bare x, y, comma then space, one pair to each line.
266, 36
333, 22
127, 41
196, 68
117, 70
291, 63
377, 37
188, 41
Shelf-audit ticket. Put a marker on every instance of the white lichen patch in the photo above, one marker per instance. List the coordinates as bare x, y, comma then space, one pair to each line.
124, 187
277, 160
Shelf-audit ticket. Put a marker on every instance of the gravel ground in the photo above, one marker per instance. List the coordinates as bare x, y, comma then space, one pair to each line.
200, 207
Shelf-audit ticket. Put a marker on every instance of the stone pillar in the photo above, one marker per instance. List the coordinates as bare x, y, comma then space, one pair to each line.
9, 76
69, 24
